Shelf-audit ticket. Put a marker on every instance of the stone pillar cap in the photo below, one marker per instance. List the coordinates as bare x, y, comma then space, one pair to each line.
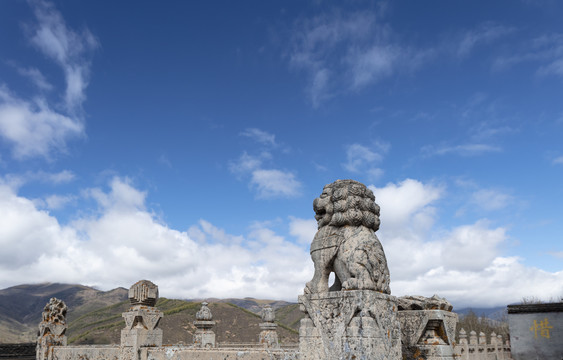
143, 292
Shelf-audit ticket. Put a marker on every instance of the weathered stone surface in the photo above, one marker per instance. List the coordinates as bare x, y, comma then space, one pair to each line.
180, 353
415, 302
143, 292
357, 324
347, 218
142, 318
52, 328
92, 352
204, 313
428, 334
268, 336
204, 337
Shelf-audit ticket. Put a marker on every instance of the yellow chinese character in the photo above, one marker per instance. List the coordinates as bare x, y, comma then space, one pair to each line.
543, 328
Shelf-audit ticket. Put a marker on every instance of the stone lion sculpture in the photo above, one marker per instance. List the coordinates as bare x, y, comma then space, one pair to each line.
345, 243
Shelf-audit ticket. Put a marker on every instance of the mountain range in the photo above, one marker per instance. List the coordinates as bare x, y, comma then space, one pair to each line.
94, 316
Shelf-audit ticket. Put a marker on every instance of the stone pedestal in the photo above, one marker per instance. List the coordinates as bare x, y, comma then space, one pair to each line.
141, 327
204, 337
141, 321
428, 334
355, 324
269, 335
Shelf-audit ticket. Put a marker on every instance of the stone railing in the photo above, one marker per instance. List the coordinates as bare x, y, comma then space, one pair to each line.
478, 348
141, 338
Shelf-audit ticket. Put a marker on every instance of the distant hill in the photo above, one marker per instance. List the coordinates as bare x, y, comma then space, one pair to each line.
94, 316
493, 313
21, 306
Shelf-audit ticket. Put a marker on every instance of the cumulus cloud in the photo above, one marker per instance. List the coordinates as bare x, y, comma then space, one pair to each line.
125, 242
274, 183
31, 126
464, 264
558, 160
302, 229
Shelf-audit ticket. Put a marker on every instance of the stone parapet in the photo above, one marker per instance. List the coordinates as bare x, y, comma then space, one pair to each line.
356, 324
480, 349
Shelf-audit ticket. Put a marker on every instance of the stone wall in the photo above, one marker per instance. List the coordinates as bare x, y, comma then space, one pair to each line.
536, 331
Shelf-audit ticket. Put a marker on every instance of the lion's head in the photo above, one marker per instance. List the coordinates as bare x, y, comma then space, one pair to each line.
346, 202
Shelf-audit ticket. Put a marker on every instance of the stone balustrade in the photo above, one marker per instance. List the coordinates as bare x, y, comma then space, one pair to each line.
478, 348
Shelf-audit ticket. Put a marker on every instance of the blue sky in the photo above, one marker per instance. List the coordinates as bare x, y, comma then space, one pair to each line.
184, 142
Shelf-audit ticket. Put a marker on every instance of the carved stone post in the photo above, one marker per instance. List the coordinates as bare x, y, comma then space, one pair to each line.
268, 335
356, 317
52, 328
428, 327
204, 336
463, 345
142, 318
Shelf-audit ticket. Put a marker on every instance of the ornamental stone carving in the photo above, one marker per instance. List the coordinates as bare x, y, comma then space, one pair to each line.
52, 328
345, 243
204, 337
143, 292
142, 318
268, 335
427, 327
356, 318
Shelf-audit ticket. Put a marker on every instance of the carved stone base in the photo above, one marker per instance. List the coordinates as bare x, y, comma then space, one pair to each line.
356, 324
46, 341
141, 337
428, 334
204, 337
269, 335
141, 327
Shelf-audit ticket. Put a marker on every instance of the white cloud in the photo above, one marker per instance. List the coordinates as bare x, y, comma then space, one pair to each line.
546, 51
463, 150
260, 136
125, 243
32, 127
483, 34
56, 202
370, 65
66, 47
558, 160
345, 52
268, 183
463, 264
490, 199
36, 78
275, 183
303, 229
360, 158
